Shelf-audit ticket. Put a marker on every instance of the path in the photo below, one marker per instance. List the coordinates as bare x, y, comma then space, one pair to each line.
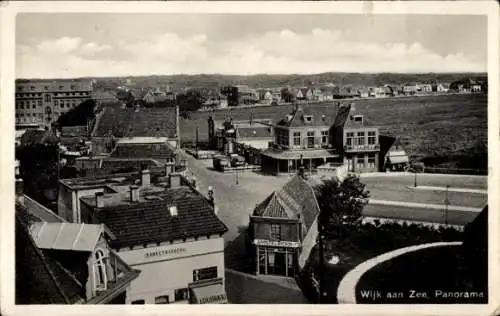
346, 293
450, 189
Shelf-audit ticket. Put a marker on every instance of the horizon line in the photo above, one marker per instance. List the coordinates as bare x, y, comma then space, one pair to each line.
258, 74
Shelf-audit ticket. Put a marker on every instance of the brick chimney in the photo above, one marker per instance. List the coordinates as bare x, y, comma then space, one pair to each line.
175, 180
134, 193
99, 199
145, 178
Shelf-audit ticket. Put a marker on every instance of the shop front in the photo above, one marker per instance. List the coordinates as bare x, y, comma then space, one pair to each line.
277, 257
208, 292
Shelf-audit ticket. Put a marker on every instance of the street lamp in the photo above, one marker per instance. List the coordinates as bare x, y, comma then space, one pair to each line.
415, 179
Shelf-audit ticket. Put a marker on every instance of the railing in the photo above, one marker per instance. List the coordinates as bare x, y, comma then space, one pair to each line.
361, 148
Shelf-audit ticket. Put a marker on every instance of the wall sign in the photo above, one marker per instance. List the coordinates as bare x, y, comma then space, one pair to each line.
263, 242
164, 252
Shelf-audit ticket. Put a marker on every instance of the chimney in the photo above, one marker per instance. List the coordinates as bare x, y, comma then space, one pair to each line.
134, 193
211, 198
145, 178
99, 200
175, 180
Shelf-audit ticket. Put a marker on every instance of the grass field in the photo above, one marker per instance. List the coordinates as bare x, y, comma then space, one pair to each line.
440, 129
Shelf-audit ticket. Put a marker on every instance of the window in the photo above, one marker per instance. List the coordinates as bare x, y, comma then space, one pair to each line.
296, 138
361, 138
360, 163
324, 137
56, 103
371, 161
275, 232
310, 139
162, 299
100, 277
33, 104
181, 295
372, 138
46, 88
48, 98
32, 88
308, 118
204, 274
349, 139
137, 302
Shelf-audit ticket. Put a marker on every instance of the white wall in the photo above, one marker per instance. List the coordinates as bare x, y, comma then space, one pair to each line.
257, 143
162, 274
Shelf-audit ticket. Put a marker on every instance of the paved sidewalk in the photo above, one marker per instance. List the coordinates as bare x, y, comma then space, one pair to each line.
427, 206
450, 189
346, 293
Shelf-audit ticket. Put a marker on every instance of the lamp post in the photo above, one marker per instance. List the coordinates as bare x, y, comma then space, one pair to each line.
415, 179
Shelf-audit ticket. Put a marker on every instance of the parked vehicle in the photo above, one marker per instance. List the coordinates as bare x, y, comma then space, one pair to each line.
221, 162
237, 161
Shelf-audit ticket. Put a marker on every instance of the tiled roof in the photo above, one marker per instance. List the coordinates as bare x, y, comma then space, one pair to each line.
150, 221
159, 150
295, 199
127, 122
320, 116
53, 86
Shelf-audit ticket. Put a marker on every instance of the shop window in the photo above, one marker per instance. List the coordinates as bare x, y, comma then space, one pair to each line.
361, 138
275, 232
204, 274
360, 163
371, 161
181, 294
138, 302
372, 138
162, 299
100, 276
296, 138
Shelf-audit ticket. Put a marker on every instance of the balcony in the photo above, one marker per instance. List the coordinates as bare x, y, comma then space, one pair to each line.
361, 148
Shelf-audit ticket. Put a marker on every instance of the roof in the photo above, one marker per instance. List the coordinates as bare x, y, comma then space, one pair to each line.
40, 212
127, 122
296, 199
255, 131
319, 117
40, 280
128, 150
53, 86
66, 236
150, 221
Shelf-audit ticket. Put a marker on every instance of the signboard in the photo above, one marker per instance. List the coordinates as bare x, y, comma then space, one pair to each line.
263, 242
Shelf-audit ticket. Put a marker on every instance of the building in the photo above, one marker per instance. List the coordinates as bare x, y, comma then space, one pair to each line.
393, 156
144, 125
305, 135
64, 263
240, 95
283, 229
171, 233
411, 88
224, 135
41, 102
358, 143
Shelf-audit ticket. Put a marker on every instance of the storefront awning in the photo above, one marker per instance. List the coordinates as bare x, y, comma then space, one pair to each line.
398, 159
210, 294
298, 154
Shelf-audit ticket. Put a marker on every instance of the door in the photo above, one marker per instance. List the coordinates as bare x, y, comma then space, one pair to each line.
350, 164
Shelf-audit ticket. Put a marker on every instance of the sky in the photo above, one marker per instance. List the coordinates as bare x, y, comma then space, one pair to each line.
68, 45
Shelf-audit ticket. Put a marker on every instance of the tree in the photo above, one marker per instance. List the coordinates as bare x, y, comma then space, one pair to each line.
341, 203
286, 95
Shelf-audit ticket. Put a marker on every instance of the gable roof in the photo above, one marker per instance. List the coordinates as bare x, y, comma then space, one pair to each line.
128, 122
66, 236
151, 221
295, 200
39, 212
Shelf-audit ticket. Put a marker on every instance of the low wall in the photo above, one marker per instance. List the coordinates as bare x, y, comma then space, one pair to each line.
346, 293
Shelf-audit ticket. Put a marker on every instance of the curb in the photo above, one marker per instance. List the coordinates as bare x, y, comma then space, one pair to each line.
346, 292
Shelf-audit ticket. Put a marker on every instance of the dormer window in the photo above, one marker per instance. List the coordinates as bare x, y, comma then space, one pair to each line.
358, 118
100, 275
173, 210
308, 118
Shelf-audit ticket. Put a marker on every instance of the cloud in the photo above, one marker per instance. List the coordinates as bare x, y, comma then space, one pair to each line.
279, 51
